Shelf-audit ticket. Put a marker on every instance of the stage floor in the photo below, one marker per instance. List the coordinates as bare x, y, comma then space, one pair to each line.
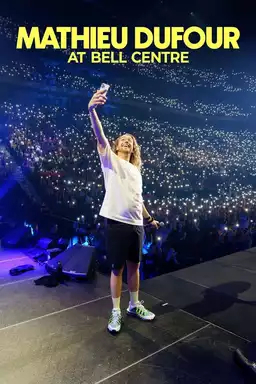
58, 335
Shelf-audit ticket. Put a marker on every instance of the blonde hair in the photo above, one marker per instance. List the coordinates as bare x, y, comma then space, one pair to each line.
135, 158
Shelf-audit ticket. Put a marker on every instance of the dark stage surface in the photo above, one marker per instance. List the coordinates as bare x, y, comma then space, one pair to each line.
58, 335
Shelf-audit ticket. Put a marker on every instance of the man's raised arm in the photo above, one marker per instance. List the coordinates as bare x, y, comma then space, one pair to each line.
99, 98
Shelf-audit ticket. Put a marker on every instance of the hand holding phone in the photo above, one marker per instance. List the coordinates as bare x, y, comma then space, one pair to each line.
99, 97
104, 87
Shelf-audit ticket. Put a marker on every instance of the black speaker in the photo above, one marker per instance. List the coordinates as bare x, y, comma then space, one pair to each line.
77, 262
45, 243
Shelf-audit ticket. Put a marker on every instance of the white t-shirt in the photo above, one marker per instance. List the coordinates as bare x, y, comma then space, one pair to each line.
123, 184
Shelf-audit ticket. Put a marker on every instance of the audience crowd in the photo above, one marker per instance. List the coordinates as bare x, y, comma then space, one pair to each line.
198, 180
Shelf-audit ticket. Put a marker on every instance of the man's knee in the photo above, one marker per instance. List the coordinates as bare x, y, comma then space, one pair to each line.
117, 272
131, 266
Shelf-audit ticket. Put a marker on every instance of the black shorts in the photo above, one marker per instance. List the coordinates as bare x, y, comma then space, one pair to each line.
124, 242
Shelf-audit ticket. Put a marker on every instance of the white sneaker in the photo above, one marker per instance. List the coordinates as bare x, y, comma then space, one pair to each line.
141, 312
115, 321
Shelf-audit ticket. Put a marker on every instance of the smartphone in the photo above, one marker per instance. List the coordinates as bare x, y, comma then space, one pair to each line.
104, 87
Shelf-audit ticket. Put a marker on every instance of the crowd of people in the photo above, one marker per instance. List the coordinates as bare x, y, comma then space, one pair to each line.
58, 78
198, 180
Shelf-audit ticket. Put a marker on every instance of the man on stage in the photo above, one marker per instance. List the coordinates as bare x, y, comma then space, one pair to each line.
124, 211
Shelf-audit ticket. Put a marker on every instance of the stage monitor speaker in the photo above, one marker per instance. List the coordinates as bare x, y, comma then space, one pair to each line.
77, 262
45, 243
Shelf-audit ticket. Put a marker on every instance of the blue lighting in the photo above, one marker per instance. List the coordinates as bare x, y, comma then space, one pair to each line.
27, 225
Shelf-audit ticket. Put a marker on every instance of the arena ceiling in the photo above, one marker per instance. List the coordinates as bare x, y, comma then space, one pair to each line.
134, 12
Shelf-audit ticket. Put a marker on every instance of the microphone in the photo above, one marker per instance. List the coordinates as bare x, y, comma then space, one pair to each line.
161, 224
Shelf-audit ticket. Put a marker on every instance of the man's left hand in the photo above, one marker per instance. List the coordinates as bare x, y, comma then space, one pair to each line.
155, 224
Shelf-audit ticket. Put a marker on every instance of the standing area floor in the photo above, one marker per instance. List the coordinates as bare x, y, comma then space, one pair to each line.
58, 335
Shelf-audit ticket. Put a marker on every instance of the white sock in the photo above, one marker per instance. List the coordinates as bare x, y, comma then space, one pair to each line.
116, 303
134, 298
